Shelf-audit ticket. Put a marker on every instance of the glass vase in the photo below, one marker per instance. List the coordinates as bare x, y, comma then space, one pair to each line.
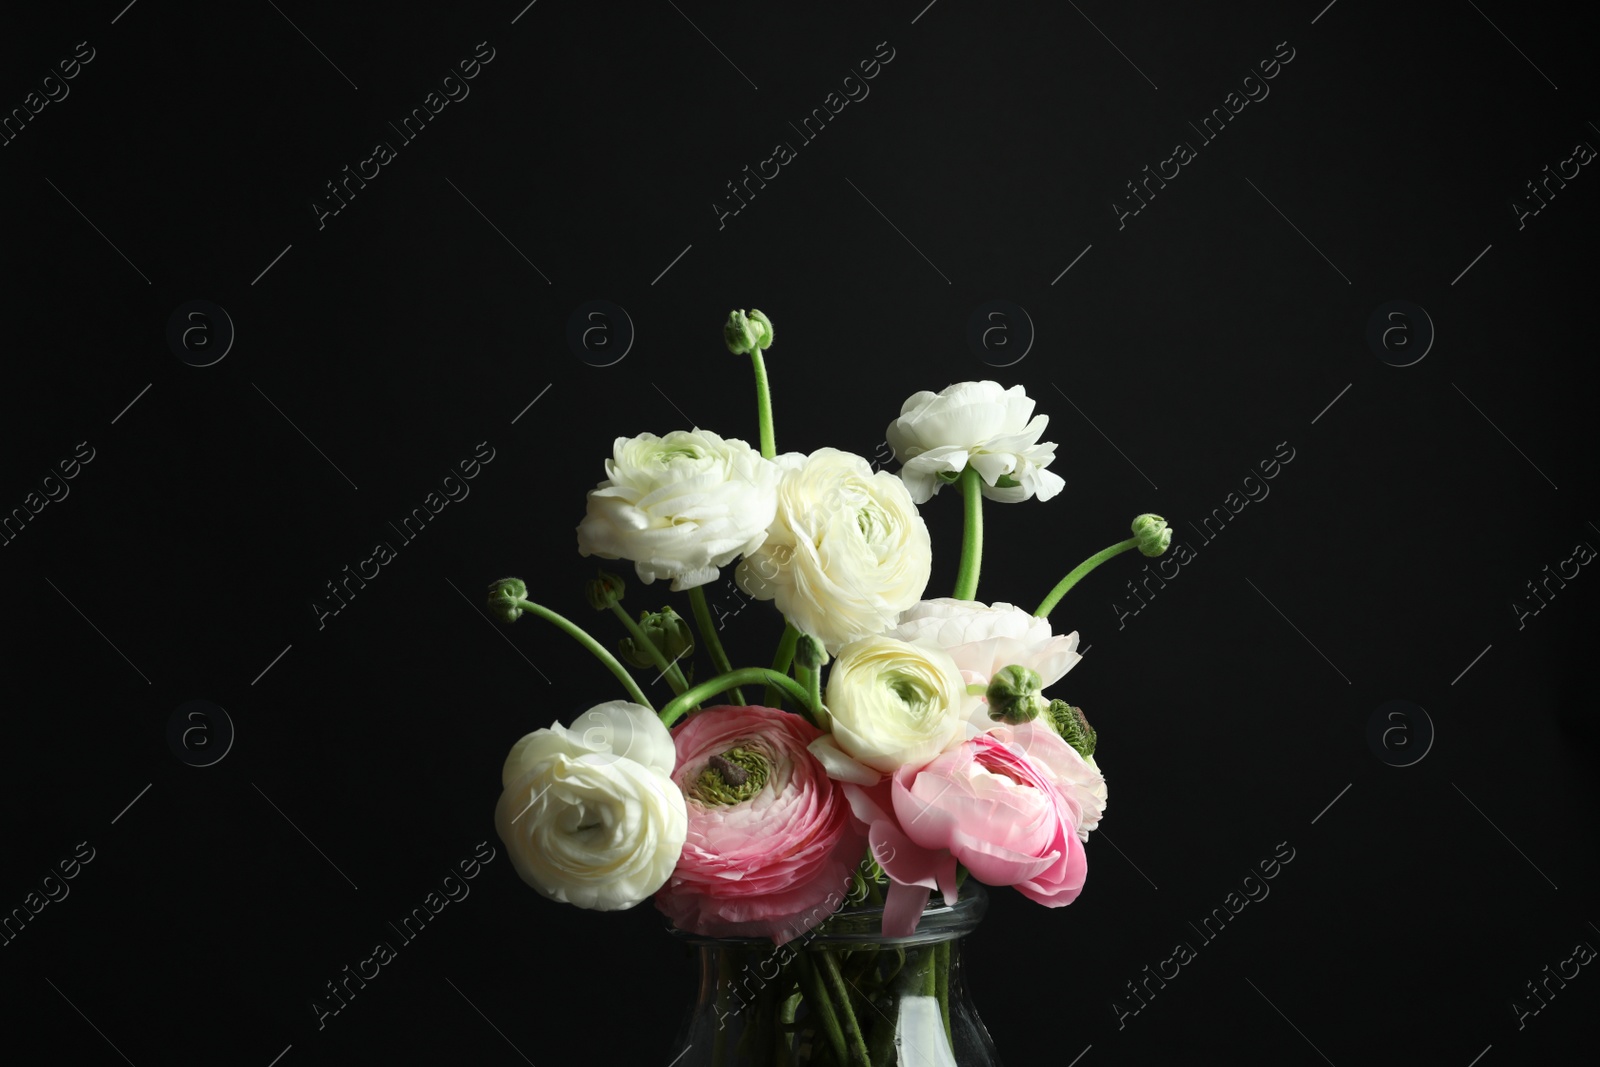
842, 995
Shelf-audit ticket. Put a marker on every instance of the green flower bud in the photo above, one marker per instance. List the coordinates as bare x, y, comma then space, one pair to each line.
1074, 729
735, 775
1153, 534
664, 629
503, 597
744, 333
604, 591
1013, 695
809, 653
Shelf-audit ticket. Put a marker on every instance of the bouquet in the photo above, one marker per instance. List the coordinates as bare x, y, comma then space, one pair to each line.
896, 745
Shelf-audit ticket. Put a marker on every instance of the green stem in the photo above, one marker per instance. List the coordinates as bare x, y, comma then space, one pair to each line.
814, 695
941, 977
817, 993
578, 634
723, 682
1049, 602
971, 536
769, 446
852, 1029
708, 633
785, 1025
781, 660
657, 657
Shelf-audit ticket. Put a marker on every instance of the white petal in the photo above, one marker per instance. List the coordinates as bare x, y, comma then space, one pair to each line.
839, 765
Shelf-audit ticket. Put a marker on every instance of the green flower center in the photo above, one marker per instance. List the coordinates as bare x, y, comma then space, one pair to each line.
732, 776
918, 697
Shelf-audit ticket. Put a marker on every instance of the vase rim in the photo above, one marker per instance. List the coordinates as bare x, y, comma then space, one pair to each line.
860, 924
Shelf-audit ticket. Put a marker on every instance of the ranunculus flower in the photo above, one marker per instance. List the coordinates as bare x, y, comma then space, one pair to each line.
590, 814
1007, 804
983, 638
771, 837
893, 704
846, 553
981, 423
680, 506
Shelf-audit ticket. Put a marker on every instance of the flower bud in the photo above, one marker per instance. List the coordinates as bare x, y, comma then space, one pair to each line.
1074, 729
666, 630
503, 597
745, 333
1153, 534
1013, 695
605, 591
809, 653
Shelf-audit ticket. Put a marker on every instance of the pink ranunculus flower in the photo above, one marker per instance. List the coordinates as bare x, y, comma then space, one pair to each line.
772, 841
1008, 805
983, 638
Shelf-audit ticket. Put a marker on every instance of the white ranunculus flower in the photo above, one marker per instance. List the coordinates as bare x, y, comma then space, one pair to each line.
847, 551
984, 638
680, 506
590, 814
1095, 805
892, 704
981, 423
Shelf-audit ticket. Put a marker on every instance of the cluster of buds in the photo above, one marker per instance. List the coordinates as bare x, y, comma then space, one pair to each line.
1014, 697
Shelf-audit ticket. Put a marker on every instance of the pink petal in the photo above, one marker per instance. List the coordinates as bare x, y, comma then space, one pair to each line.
903, 909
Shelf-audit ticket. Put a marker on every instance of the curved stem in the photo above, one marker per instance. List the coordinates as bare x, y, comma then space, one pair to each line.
814, 692
781, 660
817, 994
723, 682
1049, 602
578, 634
814, 710
971, 536
769, 446
659, 658
852, 1030
708, 633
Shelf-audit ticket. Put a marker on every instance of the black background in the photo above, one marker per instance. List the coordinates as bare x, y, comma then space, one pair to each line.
414, 324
